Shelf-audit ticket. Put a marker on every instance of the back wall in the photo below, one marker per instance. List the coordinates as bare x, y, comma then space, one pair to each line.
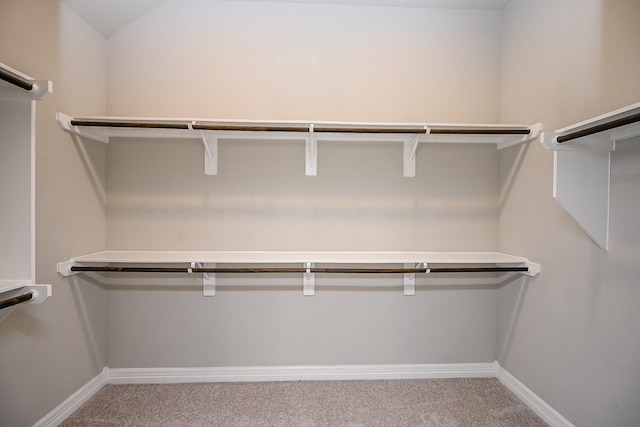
254, 60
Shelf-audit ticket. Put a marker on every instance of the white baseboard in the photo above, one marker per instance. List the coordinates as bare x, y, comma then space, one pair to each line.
302, 373
529, 398
297, 373
75, 401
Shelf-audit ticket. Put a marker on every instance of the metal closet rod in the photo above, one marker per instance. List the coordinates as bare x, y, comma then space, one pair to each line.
298, 270
302, 129
15, 80
16, 300
599, 128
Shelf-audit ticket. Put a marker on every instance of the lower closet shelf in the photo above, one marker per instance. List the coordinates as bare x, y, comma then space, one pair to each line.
20, 291
308, 263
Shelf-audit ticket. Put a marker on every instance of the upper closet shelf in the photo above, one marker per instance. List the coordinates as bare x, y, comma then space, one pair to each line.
14, 84
309, 263
599, 133
582, 166
210, 131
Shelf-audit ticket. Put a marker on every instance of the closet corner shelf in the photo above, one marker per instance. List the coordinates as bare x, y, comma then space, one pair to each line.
582, 165
16, 85
208, 263
18, 88
596, 134
211, 130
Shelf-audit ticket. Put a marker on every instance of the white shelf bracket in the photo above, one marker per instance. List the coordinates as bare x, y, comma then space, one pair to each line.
210, 141
410, 280
308, 280
208, 281
311, 153
409, 154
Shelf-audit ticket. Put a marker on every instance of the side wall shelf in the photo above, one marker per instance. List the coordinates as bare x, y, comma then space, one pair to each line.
210, 131
582, 165
309, 263
18, 96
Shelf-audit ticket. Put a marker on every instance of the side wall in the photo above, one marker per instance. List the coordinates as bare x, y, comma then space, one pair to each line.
571, 335
317, 62
49, 351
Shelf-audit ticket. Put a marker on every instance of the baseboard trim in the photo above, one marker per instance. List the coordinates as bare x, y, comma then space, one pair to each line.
302, 373
73, 402
529, 398
297, 373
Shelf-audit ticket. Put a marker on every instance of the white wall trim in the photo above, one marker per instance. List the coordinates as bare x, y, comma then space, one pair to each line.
529, 398
302, 373
73, 402
297, 373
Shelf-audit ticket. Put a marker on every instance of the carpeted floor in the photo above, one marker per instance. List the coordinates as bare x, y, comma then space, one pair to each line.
448, 402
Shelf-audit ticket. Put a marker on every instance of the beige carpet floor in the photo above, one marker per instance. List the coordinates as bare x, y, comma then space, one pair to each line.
447, 402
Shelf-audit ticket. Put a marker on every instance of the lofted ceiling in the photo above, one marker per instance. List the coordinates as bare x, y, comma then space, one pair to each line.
107, 16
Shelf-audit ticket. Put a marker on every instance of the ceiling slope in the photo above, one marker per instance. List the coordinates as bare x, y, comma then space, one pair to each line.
108, 16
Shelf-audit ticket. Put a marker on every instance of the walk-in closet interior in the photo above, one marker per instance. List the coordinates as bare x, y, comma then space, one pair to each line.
230, 190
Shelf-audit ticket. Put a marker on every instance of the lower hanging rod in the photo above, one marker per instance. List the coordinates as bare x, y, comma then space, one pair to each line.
112, 269
16, 300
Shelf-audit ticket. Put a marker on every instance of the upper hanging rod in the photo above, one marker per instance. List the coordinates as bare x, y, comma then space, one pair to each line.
480, 131
319, 128
599, 128
129, 124
298, 270
251, 128
15, 80
16, 300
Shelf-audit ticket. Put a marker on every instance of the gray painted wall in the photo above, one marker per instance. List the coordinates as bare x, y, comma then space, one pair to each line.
572, 335
569, 335
284, 61
158, 203
49, 351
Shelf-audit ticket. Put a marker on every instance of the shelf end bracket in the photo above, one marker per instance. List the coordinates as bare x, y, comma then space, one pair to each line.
64, 121
64, 268
534, 269
40, 293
